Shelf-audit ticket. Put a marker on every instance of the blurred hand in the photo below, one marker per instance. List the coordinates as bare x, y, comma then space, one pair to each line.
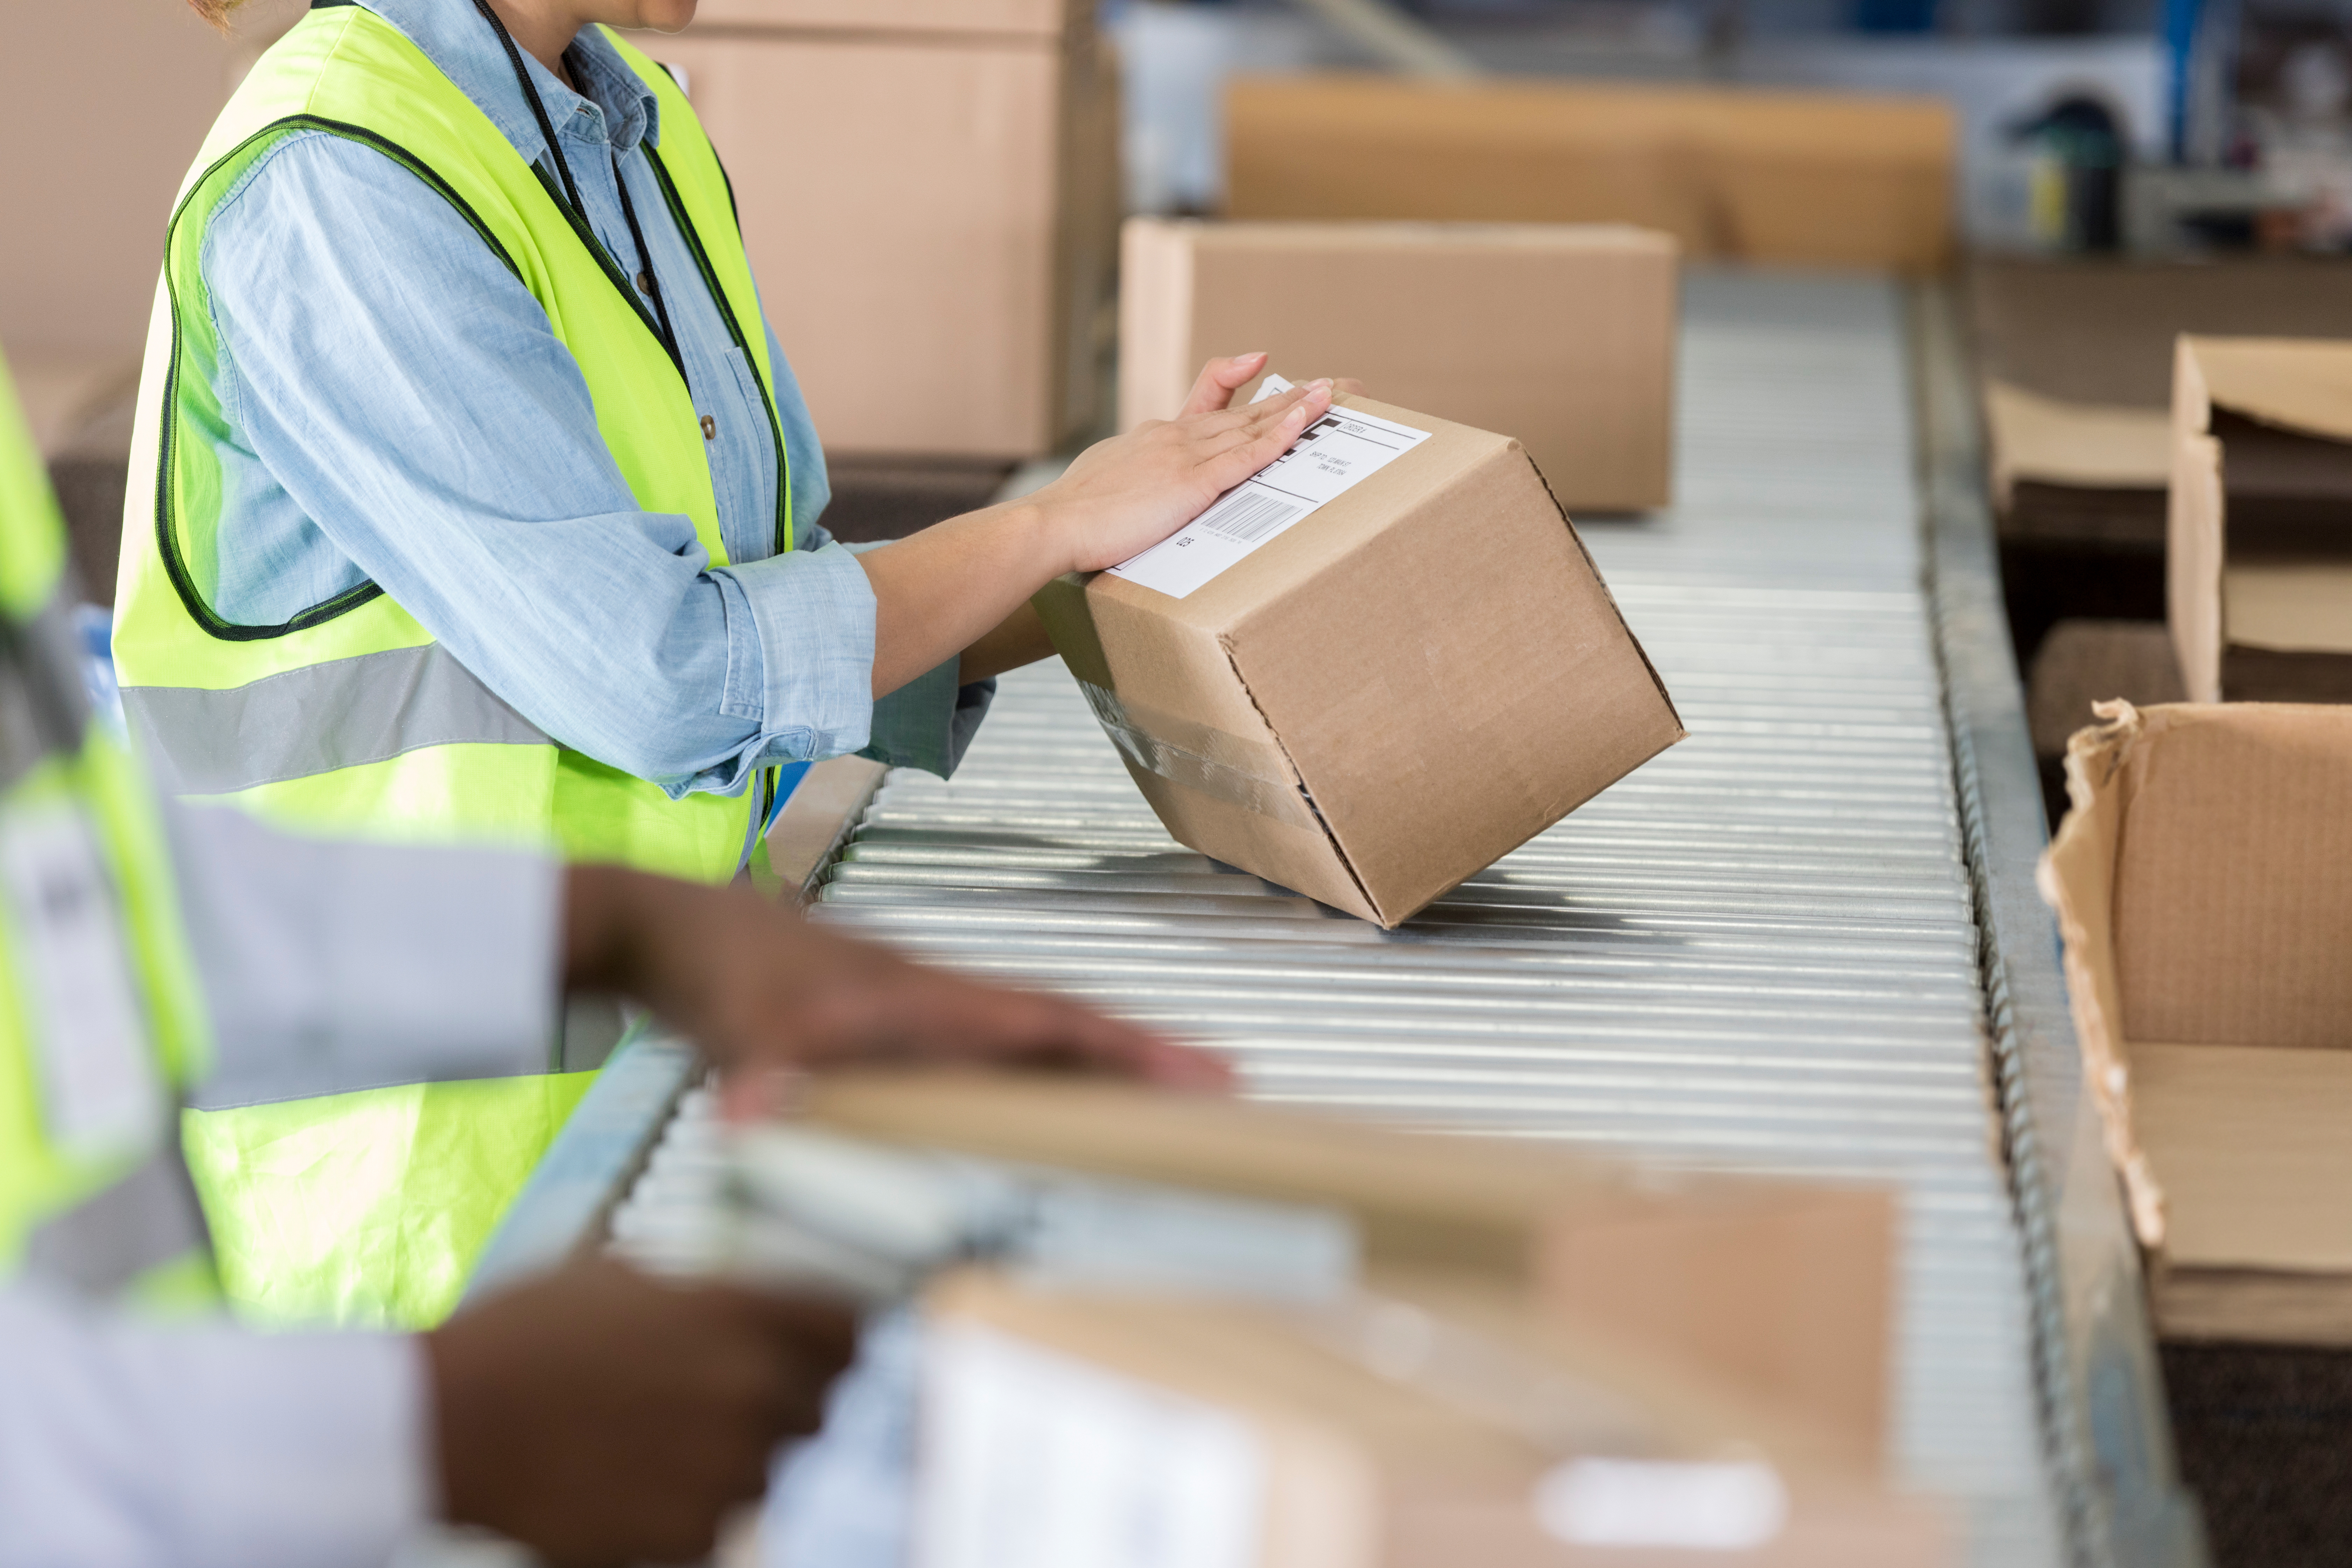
755, 986
602, 1417
1126, 494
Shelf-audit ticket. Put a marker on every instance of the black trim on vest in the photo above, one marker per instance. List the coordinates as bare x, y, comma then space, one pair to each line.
167, 540
719, 297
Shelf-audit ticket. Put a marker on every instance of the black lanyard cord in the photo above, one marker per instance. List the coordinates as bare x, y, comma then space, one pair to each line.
538, 108
645, 260
571, 188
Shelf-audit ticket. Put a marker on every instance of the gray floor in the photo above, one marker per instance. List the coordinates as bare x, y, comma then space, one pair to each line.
1756, 953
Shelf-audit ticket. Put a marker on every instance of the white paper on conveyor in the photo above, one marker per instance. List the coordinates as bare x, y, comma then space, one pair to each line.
1333, 455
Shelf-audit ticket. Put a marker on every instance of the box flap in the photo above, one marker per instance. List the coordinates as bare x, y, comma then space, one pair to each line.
2249, 1143
2232, 909
2052, 441
2295, 383
2193, 539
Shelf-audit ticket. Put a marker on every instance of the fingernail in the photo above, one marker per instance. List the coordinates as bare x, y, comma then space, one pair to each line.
1253, 353
1322, 385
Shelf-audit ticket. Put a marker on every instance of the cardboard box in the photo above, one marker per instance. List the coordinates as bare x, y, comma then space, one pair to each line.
2201, 890
1387, 696
929, 196
2258, 573
1390, 1433
1779, 1290
1812, 179
1562, 334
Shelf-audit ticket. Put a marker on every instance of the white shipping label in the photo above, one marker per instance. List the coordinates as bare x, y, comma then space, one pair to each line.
99, 1085
1035, 1459
1330, 458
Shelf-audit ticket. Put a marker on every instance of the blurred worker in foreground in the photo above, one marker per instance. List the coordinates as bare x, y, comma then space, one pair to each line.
477, 500
595, 1415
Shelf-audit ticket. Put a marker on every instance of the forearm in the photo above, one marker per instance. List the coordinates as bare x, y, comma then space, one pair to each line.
1020, 639
953, 585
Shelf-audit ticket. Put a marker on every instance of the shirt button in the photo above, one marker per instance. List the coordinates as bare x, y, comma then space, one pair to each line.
645, 283
710, 428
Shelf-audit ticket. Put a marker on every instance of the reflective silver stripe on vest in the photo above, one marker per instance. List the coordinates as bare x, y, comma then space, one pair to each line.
145, 1220
342, 714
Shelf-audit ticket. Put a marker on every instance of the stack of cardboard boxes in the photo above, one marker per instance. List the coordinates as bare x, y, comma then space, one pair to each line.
928, 190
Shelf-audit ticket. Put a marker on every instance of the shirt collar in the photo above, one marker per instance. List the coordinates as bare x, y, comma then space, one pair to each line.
455, 36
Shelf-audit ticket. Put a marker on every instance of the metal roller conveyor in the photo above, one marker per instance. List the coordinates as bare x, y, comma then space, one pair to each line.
1805, 942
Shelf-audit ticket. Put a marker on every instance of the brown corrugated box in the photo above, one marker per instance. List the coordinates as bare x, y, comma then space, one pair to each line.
2258, 570
1797, 178
1424, 1428
1779, 1290
929, 194
1385, 699
2200, 880
1562, 334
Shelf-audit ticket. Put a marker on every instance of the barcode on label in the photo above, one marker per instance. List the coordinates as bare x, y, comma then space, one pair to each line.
1248, 517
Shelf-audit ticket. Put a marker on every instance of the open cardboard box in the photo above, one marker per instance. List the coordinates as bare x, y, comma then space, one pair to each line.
1779, 1290
2258, 575
2203, 885
1413, 1429
1388, 695
1561, 333
1792, 178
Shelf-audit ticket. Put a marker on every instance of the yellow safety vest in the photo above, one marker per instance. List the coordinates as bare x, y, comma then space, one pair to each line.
350, 718
100, 1022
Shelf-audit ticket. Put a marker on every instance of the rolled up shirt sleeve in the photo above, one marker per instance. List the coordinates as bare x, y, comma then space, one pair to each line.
331, 966
205, 1446
411, 405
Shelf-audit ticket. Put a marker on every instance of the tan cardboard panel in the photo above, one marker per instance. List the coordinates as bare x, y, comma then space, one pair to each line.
2232, 913
2253, 1145
931, 241
2297, 384
2054, 441
2306, 607
1560, 335
1778, 177
2253, 1304
2193, 537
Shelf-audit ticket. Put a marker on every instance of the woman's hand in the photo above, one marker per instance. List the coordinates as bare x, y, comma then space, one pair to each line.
757, 987
1124, 495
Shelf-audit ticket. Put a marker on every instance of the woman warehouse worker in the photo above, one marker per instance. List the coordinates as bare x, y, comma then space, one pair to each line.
484, 506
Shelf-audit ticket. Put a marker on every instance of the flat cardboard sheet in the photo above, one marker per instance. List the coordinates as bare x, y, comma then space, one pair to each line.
1817, 178
2200, 887
2254, 1144
1561, 335
2052, 441
2304, 607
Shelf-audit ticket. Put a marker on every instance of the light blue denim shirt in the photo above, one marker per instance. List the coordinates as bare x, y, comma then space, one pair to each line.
399, 409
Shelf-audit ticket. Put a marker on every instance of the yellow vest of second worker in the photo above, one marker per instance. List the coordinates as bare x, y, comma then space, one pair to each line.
350, 718
100, 1018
